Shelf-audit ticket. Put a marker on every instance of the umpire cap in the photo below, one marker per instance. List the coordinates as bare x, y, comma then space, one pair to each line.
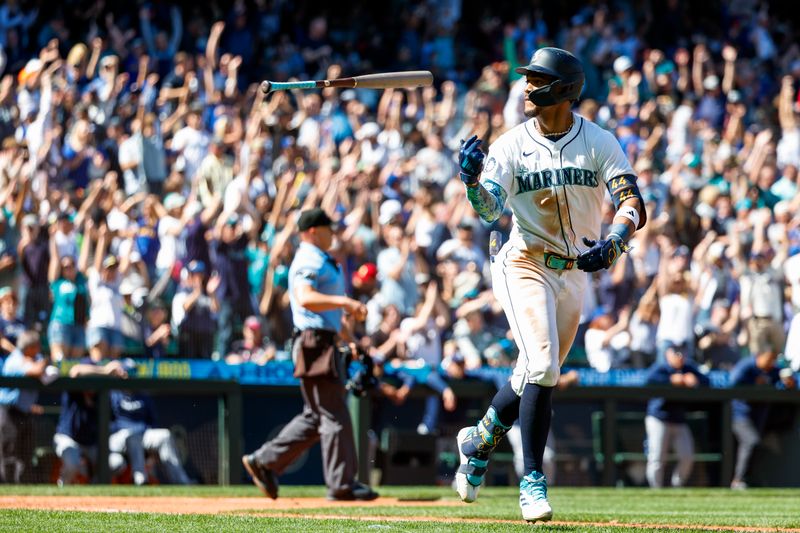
312, 218
565, 68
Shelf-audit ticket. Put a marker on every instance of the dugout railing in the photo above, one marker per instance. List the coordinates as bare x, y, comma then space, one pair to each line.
230, 412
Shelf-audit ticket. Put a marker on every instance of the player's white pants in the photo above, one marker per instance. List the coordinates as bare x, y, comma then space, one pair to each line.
543, 307
70, 453
660, 435
134, 444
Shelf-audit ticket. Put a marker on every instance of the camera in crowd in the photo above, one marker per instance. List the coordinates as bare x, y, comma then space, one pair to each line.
362, 377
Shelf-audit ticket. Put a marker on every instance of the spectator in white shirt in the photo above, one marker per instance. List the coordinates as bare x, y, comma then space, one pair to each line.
104, 336
762, 305
191, 142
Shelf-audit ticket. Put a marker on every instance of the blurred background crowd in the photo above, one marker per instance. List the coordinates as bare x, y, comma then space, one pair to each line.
149, 191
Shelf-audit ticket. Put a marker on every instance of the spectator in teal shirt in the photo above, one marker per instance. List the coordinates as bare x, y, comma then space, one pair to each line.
67, 330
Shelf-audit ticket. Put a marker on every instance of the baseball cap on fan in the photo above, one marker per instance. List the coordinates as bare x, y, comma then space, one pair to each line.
711, 82
622, 63
390, 209
366, 273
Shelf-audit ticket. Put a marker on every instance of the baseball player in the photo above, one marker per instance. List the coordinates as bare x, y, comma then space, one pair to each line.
554, 171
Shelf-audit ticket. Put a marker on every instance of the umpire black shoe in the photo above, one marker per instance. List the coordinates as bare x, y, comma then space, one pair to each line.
358, 491
263, 478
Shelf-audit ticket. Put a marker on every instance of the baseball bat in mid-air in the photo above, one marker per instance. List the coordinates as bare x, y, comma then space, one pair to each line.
384, 80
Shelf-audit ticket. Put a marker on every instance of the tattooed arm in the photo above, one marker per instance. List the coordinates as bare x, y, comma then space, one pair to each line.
487, 199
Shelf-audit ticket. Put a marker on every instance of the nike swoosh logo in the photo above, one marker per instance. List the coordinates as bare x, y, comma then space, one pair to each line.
528, 154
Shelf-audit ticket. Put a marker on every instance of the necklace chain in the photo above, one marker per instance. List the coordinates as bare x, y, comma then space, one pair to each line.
555, 134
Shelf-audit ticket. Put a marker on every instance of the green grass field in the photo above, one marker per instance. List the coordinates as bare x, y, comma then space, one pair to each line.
585, 509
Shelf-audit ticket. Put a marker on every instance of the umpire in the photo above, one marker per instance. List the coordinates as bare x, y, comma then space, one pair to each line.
316, 289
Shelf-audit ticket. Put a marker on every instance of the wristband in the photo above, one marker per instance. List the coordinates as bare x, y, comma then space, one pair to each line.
622, 233
629, 212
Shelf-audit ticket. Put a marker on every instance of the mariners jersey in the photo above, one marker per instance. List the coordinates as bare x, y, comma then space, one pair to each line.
555, 189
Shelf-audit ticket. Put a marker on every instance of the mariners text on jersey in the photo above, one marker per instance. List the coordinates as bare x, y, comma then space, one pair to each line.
534, 181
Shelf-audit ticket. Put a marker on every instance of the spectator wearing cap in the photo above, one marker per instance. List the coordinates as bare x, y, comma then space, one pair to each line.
170, 226
716, 280
627, 86
215, 173
716, 336
28, 96
17, 405
199, 221
34, 254
421, 334
228, 255
643, 326
142, 157
253, 347
476, 343
666, 420
750, 418
365, 282
712, 102
463, 249
65, 236
77, 154
161, 45
675, 295
191, 143
194, 312
434, 165
372, 151
66, 332
156, 331
386, 341
762, 304
104, 334
396, 270
131, 325
685, 225
11, 326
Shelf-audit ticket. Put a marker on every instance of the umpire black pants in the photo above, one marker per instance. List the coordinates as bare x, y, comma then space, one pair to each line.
325, 418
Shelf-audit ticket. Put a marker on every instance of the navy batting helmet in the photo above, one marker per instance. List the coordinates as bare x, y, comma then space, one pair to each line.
561, 65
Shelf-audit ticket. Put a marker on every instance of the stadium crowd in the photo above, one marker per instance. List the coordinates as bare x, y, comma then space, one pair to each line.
149, 191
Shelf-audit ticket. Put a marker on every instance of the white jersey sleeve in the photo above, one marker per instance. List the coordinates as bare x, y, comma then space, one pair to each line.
500, 165
610, 160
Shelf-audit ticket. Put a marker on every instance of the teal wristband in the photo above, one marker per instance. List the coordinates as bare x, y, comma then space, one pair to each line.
623, 231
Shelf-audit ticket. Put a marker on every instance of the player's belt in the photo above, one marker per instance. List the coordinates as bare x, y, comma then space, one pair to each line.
557, 262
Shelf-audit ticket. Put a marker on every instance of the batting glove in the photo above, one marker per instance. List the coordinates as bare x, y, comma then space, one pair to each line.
601, 254
470, 160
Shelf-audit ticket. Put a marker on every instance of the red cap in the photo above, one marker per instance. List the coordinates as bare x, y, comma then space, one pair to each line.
366, 273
